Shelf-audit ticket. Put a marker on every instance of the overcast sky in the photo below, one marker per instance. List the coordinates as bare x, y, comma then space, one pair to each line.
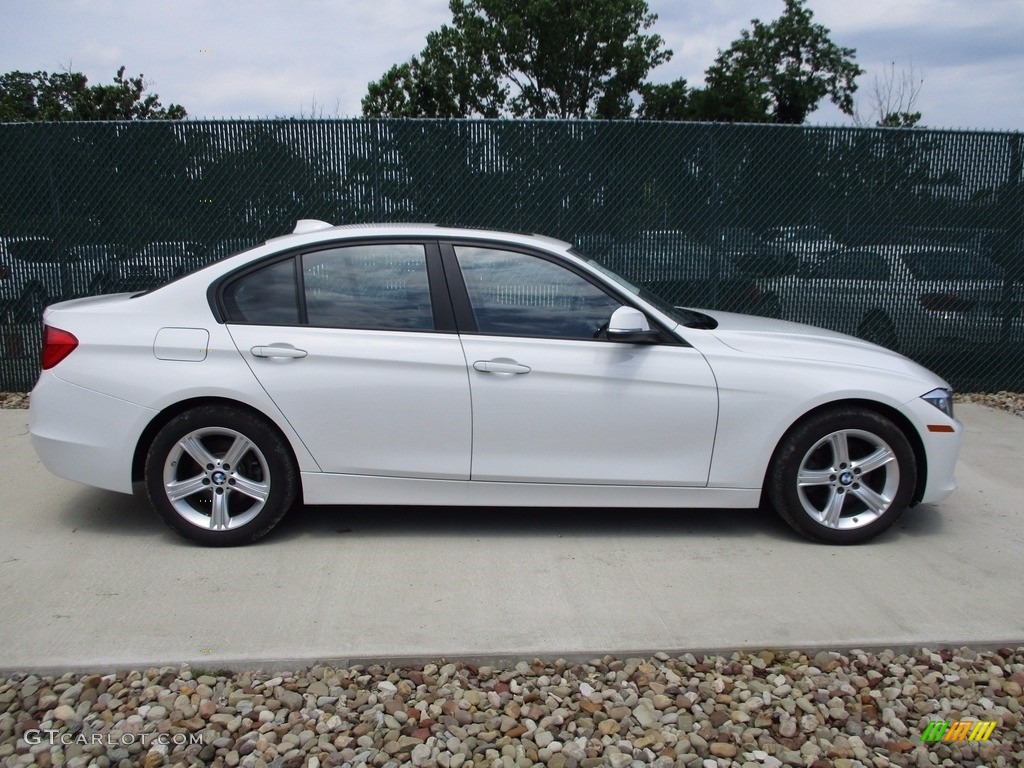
280, 58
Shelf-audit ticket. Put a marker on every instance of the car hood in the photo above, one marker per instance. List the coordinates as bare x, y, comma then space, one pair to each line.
781, 339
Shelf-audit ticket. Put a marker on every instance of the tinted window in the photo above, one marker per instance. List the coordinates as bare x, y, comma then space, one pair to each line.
952, 265
267, 296
855, 266
521, 295
381, 286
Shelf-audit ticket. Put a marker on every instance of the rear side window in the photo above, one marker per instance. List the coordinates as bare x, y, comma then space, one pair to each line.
266, 296
382, 286
379, 286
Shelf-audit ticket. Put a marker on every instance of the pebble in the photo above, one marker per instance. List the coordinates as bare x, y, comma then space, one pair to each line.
765, 709
1013, 402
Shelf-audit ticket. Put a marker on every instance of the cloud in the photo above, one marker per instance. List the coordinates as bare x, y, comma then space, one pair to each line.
275, 57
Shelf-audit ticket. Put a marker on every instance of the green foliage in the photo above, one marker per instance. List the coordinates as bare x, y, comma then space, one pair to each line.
665, 101
900, 120
41, 96
452, 77
590, 58
779, 72
532, 58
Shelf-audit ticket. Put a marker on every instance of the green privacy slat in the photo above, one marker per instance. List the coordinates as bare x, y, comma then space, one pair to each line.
734, 217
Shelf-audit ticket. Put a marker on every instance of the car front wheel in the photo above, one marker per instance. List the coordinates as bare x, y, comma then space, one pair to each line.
220, 476
842, 476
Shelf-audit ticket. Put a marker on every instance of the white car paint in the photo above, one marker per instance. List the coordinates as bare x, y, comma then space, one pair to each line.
604, 414
373, 416
376, 424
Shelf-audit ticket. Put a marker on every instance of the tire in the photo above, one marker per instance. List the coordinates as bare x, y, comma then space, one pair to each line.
215, 502
842, 476
878, 329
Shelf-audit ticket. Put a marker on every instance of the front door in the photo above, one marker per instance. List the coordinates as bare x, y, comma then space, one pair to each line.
555, 401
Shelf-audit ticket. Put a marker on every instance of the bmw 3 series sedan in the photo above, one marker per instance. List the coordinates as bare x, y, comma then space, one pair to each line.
415, 364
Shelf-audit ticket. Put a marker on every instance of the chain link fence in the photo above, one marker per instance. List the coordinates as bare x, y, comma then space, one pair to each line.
910, 238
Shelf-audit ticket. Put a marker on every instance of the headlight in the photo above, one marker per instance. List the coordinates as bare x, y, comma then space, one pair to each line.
941, 399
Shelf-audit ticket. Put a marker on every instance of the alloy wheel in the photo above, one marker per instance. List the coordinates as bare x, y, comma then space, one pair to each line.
848, 479
216, 478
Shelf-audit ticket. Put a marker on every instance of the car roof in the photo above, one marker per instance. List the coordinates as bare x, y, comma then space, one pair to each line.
901, 249
308, 231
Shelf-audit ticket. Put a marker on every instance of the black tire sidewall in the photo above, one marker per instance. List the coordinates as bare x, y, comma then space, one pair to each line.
283, 475
782, 485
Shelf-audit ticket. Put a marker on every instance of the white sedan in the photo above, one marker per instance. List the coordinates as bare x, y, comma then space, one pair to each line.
414, 364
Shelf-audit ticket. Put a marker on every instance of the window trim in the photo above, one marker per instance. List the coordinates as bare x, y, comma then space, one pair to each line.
440, 300
463, 308
218, 304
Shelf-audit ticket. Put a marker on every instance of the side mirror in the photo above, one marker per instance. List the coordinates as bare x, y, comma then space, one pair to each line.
630, 325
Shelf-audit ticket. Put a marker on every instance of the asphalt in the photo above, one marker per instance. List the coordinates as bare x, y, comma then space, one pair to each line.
92, 580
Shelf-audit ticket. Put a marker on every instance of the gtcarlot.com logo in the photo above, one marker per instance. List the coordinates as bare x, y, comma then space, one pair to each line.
958, 730
53, 738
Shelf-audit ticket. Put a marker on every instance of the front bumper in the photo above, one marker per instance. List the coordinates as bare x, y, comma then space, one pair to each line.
941, 437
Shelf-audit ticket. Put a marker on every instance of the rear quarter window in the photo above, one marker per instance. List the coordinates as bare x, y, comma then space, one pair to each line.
266, 296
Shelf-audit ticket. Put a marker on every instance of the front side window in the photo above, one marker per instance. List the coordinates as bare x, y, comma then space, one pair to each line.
521, 295
381, 286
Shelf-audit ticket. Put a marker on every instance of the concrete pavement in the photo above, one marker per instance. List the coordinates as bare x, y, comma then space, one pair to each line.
93, 580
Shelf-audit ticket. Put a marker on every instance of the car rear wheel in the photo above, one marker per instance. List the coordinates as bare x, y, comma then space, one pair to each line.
842, 476
220, 476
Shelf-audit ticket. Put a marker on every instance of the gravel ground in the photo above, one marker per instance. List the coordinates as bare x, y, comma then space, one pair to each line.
14, 400
830, 710
1005, 401
748, 709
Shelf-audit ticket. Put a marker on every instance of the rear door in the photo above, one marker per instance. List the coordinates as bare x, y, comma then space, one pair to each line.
355, 345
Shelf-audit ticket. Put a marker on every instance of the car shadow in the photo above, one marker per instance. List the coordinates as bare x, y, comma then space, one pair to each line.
107, 513
94, 510
478, 522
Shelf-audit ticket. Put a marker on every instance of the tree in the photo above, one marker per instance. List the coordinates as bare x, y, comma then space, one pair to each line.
39, 96
665, 101
454, 76
532, 58
779, 72
892, 99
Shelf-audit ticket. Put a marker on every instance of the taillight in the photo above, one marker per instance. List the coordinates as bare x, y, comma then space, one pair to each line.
57, 345
945, 302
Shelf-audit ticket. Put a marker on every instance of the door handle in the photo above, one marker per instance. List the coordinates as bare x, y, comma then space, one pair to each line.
274, 350
500, 365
